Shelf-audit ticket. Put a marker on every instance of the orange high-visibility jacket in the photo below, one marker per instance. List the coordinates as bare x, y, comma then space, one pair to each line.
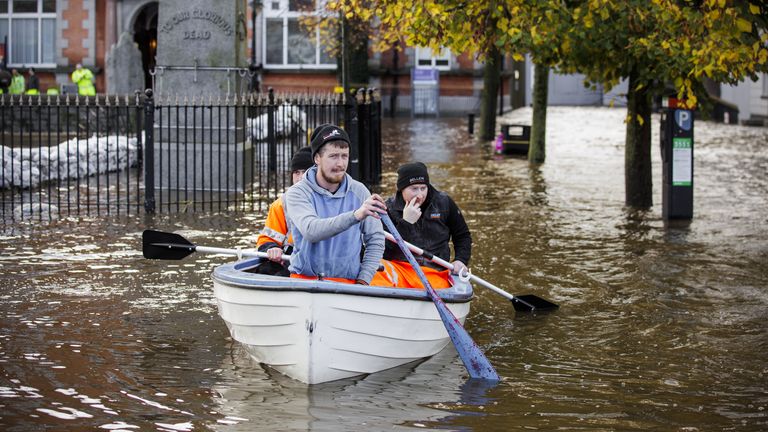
275, 232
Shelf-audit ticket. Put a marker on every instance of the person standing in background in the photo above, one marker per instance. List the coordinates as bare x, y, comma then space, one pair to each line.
17, 83
83, 77
34, 83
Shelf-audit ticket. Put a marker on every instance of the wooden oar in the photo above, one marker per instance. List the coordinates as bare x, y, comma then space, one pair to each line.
523, 303
171, 246
474, 360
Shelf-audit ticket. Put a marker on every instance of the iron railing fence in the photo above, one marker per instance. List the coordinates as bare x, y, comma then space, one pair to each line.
72, 155
69, 155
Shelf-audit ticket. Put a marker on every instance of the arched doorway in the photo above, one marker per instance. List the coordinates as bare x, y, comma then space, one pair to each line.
145, 35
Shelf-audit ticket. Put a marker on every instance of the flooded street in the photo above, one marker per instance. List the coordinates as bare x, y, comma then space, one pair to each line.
661, 327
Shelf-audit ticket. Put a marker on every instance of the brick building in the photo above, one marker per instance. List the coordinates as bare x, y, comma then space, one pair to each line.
54, 35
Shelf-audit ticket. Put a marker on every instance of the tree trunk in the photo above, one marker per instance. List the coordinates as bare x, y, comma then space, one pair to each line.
359, 75
491, 81
537, 149
637, 148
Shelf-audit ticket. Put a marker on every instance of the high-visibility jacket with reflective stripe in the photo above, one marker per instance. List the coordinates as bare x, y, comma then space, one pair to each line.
275, 232
17, 85
84, 80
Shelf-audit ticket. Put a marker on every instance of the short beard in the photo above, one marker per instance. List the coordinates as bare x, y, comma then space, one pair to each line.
332, 180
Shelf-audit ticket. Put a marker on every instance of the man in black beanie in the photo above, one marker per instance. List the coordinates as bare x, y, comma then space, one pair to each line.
326, 133
429, 219
274, 239
334, 218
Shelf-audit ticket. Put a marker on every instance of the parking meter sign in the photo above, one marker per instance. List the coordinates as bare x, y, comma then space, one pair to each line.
682, 161
683, 119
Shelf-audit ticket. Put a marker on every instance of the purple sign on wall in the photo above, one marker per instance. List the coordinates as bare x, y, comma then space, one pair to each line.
425, 74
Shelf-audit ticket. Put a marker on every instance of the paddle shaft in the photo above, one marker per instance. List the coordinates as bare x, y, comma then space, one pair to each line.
238, 252
439, 261
476, 363
165, 245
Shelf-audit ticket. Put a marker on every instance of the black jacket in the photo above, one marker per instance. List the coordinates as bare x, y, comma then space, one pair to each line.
441, 221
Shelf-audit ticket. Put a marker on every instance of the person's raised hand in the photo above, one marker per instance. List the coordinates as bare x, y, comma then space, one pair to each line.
412, 211
373, 206
275, 254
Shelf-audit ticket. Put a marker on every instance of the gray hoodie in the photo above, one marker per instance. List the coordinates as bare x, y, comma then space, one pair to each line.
327, 237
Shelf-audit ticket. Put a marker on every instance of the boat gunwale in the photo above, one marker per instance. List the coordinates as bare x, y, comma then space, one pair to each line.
232, 274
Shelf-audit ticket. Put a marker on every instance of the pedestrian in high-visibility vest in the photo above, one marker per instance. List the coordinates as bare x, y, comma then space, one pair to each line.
34, 83
17, 83
84, 80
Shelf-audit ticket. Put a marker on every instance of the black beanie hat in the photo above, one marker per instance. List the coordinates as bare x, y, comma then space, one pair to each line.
411, 173
324, 134
302, 159
317, 130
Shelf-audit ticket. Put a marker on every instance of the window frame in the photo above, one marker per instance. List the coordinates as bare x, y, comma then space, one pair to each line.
426, 53
286, 15
39, 17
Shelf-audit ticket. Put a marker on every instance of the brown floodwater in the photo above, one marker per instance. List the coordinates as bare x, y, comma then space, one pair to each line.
661, 327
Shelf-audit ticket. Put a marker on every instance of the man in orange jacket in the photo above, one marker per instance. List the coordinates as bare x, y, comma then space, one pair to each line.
275, 239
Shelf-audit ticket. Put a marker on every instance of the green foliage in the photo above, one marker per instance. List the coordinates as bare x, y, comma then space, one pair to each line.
663, 41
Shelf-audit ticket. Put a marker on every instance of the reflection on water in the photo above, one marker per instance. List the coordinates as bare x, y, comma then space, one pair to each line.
251, 396
660, 327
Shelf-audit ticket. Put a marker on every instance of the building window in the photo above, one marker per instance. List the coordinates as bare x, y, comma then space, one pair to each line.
427, 58
286, 43
30, 29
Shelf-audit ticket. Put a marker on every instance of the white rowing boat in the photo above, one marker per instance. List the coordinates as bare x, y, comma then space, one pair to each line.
319, 331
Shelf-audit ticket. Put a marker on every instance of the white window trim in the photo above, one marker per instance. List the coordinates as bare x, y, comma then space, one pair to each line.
39, 16
285, 14
424, 53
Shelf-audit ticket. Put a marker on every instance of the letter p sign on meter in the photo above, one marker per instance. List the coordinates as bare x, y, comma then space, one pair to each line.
683, 119
677, 161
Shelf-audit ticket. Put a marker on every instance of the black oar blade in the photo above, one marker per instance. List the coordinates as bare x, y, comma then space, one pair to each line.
163, 245
530, 303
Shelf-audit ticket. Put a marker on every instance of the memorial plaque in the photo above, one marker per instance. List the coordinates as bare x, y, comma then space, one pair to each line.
201, 54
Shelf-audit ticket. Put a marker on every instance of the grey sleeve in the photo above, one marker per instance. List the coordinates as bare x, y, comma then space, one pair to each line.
373, 236
299, 209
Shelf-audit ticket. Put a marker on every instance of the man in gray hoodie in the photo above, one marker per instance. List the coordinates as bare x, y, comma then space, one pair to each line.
332, 216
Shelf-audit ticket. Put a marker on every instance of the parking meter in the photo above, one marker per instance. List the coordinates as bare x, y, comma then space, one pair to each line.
677, 160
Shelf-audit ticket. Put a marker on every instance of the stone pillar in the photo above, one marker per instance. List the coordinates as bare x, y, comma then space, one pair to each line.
125, 74
201, 53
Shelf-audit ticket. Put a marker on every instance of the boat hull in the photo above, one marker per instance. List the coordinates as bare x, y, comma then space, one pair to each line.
317, 331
